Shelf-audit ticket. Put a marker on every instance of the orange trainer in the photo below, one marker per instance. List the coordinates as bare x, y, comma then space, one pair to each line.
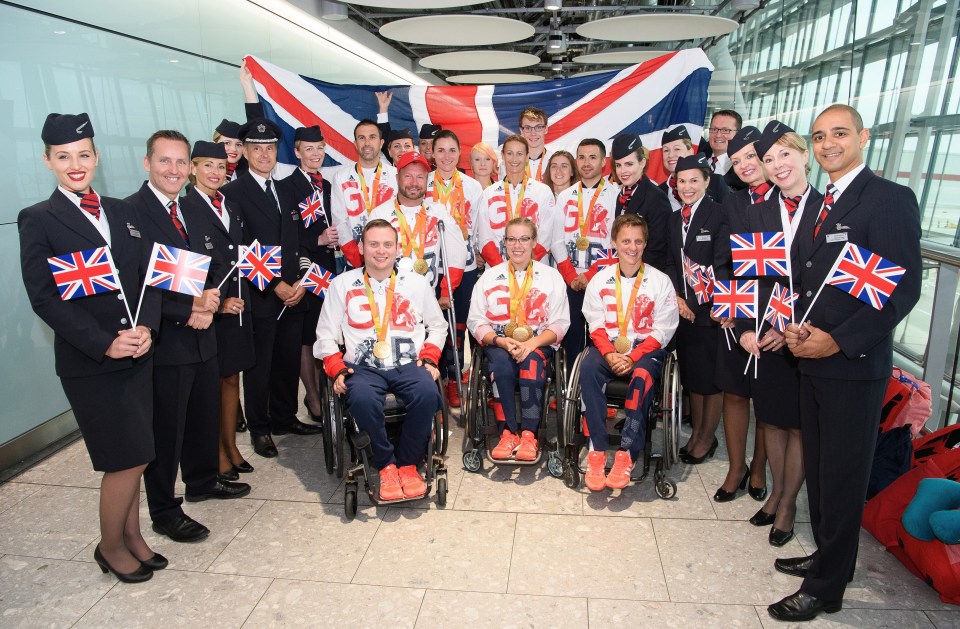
508, 443
619, 476
411, 481
390, 488
528, 446
596, 476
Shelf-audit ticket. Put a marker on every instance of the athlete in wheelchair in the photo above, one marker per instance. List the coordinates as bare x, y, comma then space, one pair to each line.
518, 315
631, 313
392, 329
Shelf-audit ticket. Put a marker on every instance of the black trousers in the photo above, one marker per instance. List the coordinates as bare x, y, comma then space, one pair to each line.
186, 431
839, 421
270, 386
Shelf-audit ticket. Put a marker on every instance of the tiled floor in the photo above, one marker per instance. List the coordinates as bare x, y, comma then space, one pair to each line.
511, 549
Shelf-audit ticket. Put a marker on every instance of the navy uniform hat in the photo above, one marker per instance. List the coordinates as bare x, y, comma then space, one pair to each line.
625, 144
260, 131
744, 137
213, 150
308, 134
771, 133
228, 128
677, 133
66, 128
693, 162
398, 134
429, 131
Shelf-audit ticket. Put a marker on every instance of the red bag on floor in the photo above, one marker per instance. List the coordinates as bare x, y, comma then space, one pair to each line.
906, 403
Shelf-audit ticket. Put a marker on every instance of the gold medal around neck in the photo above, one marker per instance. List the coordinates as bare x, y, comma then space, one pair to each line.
420, 266
381, 349
583, 243
509, 329
622, 345
522, 333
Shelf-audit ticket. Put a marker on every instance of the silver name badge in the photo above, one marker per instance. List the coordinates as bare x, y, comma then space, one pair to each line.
841, 237
703, 238
208, 245
134, 232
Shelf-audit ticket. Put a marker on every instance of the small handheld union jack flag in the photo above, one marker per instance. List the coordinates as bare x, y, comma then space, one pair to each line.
604, 257
260, 264
736, 299
317, 280
780, 307
311, 209
690, 268
759, 253
867, 276
177, 270
84, 273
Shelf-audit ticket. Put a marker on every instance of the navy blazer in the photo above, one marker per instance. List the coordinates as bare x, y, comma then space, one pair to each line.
267, 224
883, 217
702, 237
177, 344
652, 204
85, 327
297, 188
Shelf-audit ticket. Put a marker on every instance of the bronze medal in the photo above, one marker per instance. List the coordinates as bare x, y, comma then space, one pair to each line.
583, 243
509, 329
522, 333
421, 266
381, 349
622, 344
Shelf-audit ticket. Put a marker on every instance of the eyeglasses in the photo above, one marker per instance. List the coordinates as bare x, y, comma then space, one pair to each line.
510, 240
540, 128
722, 130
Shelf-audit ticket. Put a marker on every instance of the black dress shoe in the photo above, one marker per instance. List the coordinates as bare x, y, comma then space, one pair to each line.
220, 491
801, 606
229, 475
297, 428
762, 518
242, 468
689, 459
794, 566
157, 562
182, 528
778, 537
139, 575
757, 493
723, 495
263, 445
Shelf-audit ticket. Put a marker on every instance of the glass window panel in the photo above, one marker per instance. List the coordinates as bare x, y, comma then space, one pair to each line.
883, 13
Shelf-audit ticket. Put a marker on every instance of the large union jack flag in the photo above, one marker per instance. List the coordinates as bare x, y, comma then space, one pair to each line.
867, 276
311, 208
177, 270
647, 99
780, 307
736, 299
759, 253
260, 264
84, 273
317, 280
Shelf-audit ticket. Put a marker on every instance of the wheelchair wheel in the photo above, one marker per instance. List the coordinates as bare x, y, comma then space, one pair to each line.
665, 487
472, 461
474, 405
327, 433
571, 476
671, 411
441, 424
555, 465
442, 490
350, 501
569, 430
337, 433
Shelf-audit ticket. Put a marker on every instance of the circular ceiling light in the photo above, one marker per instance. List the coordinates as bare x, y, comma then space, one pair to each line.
457, 30
414, 4
657, 27
489, 79
628, 56
479, 60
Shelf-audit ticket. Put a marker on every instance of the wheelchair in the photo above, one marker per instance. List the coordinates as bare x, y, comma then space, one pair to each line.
665, 410
347, 450
482, 431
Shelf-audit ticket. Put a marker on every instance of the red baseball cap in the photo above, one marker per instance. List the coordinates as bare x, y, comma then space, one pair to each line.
412, 157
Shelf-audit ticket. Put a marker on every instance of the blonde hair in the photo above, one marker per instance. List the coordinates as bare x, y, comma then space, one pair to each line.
796, 142
485, 149
525, 222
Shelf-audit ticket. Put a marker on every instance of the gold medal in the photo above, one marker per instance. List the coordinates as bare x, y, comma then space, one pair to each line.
509, 329
522, 333
421, 266
381, 349
583, 243
622, 345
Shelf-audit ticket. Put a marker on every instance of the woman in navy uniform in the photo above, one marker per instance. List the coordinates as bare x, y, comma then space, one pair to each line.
693, 231
205, 202
107, 375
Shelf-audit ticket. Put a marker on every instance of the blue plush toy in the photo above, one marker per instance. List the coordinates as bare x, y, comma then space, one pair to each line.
933, 512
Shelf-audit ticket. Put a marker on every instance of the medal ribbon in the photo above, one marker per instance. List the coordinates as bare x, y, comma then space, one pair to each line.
539, 176
409, 243
380, 327
623, 316
519, 293
456, 188
368, 193
506, 194
585, 219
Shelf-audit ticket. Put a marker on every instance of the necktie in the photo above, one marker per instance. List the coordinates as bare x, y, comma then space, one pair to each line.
625, 195
672, 182
713, 163
217, 201
90, 203
791, 203
827, 206
685, 213
757, 193
269, 190
176, 222
230, 168
316, 179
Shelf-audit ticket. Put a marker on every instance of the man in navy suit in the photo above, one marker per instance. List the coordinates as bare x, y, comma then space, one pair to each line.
846, 351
